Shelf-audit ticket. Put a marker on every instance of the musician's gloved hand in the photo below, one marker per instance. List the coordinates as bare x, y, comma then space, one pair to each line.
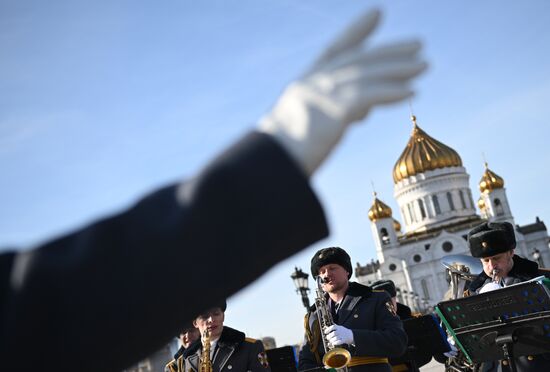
454, 351
338, 335
345, 82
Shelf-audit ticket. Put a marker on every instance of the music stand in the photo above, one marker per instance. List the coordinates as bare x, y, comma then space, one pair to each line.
282, 359
426, 338
503, 324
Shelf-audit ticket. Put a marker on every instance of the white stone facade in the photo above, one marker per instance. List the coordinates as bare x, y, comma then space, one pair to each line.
437, 211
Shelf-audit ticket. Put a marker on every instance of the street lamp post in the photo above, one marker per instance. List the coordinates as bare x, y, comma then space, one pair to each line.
301, 284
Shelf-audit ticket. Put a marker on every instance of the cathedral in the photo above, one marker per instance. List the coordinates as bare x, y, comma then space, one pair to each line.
437, 209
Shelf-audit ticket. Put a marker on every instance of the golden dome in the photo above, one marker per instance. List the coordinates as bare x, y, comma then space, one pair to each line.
378, 210
423, 153
396, 225
481, 203
490, 181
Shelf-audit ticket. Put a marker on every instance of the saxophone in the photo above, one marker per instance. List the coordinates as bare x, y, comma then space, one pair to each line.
335, 357
205, 362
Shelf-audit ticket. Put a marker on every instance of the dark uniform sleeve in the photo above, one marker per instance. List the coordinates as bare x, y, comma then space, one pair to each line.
257, 358
388, 339
103, 297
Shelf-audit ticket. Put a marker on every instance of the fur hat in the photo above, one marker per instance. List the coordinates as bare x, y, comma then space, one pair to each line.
491, 238
330, 255
385, 285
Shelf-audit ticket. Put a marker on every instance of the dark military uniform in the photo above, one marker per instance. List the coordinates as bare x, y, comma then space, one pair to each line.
233, 353
378, 333
412, 359
175, 365
522, 271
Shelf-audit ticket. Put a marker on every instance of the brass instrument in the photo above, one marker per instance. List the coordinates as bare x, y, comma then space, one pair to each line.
462, 270
335, 357
205, 362
496, 279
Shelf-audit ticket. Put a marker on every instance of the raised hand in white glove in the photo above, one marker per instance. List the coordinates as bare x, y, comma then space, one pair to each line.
338, 335
454, 351
342, 86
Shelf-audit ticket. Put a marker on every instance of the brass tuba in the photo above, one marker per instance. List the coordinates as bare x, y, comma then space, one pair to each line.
335, 357
205, 362
462, 270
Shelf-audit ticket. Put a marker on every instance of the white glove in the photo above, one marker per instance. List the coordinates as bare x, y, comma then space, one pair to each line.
347, 80
338, 335
454, 351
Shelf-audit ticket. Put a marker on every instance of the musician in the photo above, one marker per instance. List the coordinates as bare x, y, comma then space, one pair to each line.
403, 311
365, 321
99, 281
411, 360
493, 243
230, 350
187, 336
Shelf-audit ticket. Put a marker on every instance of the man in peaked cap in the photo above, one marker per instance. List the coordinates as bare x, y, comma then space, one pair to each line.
494, 243
403, 311
230, 349
364, 320
187, 336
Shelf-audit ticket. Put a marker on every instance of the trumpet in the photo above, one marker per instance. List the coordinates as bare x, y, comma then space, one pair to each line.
335, 357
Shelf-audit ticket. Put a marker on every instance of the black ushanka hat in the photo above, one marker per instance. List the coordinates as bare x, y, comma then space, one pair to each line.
491, 238
330, 255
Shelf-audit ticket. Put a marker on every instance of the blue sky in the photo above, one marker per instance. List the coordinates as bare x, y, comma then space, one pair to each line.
103, 101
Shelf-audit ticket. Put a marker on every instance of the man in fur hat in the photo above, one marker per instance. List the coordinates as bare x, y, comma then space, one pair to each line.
494, 243
365, 322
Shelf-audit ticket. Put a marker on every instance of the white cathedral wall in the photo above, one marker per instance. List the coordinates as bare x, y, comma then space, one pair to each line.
423, 187
423, 264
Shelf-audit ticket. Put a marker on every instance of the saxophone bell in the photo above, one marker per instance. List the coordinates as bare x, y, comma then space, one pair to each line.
335, 357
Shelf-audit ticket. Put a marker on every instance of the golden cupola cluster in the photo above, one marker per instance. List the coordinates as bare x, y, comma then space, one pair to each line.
423, 153
379, 210
490, 181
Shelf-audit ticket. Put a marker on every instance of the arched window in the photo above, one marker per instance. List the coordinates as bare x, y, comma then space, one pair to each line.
425, 288
450, 200
462, 199
422, 210
411, 213
437, 208
384, 235
498, 207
